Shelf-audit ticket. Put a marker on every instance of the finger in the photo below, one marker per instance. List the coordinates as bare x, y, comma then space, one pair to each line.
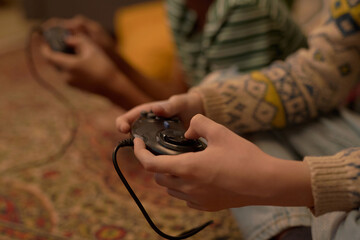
146, 158
81, 20
82, 24
179, 195
173, 106
168, 181
179, 184
171, 164
74, 40
124, 121
92, 27
52, 22
196, 206
201, 126
77, 40
76, 24
61, 60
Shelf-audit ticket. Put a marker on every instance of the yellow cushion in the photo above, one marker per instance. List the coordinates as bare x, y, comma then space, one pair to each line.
144, 38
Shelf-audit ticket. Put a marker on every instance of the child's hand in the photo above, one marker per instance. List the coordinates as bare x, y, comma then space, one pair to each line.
82, 25
89, 69
184, 105
230, 172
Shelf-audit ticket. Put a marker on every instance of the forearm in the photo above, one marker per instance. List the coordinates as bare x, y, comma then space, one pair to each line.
281, 182
311, 82
324, 184
291, 184
155, 89
123, 92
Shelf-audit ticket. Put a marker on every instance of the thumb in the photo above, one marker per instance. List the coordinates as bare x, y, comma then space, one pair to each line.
169, 164
62, 60
201, 126
77, 40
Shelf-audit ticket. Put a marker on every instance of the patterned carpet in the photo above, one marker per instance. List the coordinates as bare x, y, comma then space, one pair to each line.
49, 194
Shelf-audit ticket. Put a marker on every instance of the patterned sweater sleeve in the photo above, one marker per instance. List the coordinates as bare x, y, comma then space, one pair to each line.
308, 83
335, 181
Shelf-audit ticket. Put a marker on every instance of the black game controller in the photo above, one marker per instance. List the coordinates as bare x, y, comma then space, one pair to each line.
55, 37
164, 136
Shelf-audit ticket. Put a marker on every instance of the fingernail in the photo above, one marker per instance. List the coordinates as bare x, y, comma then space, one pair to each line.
139, 137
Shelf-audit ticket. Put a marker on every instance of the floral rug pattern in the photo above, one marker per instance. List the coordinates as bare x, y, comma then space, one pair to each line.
76, 194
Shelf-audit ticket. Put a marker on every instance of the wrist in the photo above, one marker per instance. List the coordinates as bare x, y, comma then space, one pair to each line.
212, 103
120, 90
114, 81
291, 183
196, 102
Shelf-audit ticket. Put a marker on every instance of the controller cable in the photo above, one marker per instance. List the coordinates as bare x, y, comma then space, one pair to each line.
186, 234
60, 97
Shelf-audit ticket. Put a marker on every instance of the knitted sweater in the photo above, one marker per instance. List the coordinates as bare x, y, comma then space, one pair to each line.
307, 84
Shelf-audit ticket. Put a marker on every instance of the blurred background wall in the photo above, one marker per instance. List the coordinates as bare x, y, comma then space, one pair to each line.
18, 16
101, 11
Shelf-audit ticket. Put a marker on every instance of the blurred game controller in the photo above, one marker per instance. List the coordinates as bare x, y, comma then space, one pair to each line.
164, 136
55, 37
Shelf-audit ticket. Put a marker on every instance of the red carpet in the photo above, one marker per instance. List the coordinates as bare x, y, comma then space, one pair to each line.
51, 191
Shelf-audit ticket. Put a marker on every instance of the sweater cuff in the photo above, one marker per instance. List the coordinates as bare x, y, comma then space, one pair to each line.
333, 180
213, 102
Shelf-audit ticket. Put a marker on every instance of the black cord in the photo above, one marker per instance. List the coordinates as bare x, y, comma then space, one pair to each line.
186, 234
34, 72
125, 143
61, 98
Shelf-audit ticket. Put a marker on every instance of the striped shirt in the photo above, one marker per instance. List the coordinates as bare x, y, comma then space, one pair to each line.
247, 34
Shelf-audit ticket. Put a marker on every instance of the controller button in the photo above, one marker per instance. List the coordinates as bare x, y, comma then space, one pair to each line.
174, 119
166, 124
143, 113
151, 115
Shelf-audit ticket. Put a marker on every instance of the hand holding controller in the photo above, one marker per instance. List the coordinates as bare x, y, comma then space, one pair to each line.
55, 37
164, 136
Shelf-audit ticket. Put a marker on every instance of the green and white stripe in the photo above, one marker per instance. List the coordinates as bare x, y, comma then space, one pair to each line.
248, 34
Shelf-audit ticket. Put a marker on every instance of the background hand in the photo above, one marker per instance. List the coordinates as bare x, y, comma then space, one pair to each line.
82, 25
89, 69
